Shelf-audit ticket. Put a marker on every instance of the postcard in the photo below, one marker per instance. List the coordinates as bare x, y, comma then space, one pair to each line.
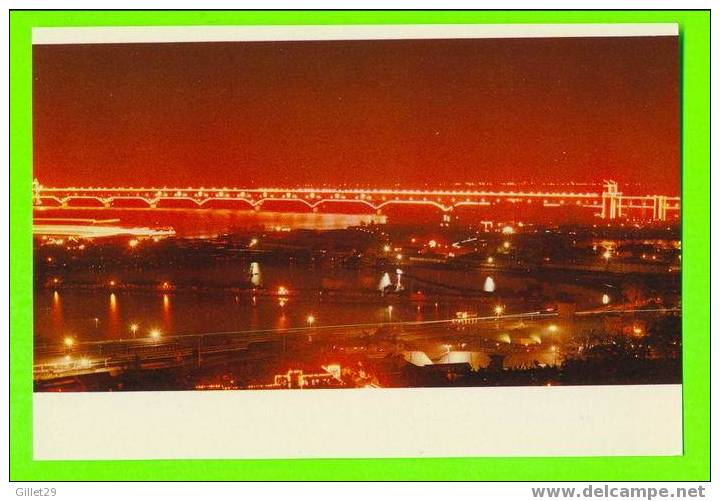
357, 241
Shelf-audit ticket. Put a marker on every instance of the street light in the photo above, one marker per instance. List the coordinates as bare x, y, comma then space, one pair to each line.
134, 329
310, 321
155, 333
69, 342
499, 310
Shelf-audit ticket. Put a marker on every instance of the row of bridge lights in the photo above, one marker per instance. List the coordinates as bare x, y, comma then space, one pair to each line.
336, 196
155, 333
310, 320
221, 191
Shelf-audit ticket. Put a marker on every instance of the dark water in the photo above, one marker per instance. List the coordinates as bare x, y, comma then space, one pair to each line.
93, 316
104, 314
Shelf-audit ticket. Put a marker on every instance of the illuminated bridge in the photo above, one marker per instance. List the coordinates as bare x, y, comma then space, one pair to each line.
607, 204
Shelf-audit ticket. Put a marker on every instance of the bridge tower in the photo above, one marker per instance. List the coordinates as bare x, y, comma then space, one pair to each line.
611, 201
660, 205
37, 188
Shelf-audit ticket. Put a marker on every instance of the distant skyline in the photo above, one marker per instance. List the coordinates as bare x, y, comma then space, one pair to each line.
380, 113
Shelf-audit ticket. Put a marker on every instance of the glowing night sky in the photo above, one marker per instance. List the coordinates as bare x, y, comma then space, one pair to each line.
377, 113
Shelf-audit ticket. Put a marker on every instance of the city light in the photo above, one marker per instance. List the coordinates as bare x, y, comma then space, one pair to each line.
338, 269
489, 285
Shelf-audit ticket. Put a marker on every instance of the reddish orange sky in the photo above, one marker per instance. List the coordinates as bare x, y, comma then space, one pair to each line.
380, 113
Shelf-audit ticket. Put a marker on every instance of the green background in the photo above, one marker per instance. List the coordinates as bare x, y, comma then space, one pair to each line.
694, 464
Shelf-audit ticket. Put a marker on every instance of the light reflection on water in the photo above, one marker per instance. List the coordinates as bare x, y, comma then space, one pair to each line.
210, 222
102, 314
113, 319
73, 312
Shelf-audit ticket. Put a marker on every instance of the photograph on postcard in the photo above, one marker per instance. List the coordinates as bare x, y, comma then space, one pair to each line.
308, 214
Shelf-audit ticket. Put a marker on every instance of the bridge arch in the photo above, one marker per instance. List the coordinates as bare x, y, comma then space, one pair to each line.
176, 203
236, 203
130, 202
431, 203
344, 205
48, 200
83, 201
279, 204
